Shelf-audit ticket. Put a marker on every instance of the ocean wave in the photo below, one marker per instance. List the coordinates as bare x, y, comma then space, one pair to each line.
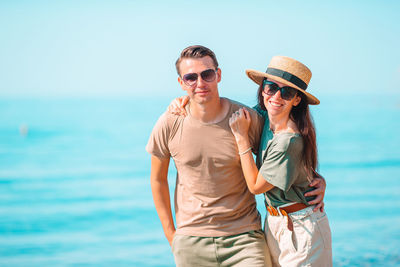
361, 164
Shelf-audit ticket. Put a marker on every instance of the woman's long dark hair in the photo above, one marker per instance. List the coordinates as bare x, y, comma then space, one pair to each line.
301, 116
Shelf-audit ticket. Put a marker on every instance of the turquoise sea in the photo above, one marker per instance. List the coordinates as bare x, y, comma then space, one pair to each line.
75, 191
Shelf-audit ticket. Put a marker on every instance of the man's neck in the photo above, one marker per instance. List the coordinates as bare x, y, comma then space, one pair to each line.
210, 112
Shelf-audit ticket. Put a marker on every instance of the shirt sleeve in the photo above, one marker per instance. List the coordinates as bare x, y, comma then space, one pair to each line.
255, 131
260, 111
280, 167
159, 137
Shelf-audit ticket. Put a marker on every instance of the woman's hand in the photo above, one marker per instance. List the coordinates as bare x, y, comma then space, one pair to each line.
177, 106
240, 124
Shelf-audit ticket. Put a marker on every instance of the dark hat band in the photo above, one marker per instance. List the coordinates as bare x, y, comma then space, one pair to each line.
288, 77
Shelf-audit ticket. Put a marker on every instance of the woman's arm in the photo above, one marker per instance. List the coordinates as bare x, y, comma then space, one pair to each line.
240, 123
177, 106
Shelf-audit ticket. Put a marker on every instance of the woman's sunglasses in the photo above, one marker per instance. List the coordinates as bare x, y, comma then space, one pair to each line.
287, 92
207, 75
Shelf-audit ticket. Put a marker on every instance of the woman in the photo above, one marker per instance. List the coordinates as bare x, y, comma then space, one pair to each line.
296, 234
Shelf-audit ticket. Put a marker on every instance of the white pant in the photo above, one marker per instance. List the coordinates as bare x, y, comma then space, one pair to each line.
309, 244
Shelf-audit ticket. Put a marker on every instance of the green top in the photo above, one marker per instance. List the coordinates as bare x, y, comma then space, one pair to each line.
279, 161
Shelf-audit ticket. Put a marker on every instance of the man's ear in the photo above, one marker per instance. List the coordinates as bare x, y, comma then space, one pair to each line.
218, 75
180, 81
182, 84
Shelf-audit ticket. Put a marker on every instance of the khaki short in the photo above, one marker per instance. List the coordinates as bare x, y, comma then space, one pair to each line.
246, 249
309, 244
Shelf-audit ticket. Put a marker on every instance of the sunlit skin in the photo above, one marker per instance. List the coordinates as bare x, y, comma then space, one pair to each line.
279, 110
278, 113
201, 92
206, 105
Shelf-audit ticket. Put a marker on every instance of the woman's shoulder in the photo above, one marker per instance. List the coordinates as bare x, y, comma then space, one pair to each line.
287, 142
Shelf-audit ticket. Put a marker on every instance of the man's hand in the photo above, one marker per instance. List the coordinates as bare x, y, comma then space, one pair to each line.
319, 192
170, 236
177, 106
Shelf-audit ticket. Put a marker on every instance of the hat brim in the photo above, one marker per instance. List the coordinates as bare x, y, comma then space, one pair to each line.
258, 77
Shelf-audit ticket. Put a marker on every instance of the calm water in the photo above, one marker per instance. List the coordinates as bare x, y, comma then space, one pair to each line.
75, 189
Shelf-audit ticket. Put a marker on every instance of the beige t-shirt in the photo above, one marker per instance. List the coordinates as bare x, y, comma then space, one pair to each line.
211, 195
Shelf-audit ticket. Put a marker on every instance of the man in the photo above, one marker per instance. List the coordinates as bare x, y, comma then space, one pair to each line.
217, 220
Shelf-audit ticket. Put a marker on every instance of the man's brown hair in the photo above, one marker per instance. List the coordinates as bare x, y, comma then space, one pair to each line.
195, 51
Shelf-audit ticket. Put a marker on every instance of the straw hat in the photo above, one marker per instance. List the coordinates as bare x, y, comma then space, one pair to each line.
287, 71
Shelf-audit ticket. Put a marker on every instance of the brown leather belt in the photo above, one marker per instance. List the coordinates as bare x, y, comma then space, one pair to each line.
285, 211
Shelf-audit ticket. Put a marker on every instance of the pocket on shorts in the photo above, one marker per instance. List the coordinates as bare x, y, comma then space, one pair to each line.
288, 241
301, 235
322, 223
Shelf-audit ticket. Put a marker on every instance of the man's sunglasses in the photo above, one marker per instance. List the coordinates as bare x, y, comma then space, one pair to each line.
287, 92
207, 75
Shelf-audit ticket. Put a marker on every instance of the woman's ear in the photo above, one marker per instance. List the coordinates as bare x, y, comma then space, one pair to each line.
297, 100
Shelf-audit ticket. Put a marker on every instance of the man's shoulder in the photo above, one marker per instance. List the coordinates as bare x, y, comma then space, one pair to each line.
168, 122
169, 118
163, 131
237, 105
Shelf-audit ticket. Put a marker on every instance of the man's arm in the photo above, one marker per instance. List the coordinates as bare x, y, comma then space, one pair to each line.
320, 186
160, 190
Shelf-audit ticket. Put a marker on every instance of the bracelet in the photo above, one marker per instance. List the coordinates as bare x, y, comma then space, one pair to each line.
244, 152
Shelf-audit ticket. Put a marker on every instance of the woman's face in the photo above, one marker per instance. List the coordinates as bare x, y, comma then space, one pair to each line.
276, 106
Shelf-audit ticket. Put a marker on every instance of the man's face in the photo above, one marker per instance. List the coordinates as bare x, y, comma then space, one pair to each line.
201, 91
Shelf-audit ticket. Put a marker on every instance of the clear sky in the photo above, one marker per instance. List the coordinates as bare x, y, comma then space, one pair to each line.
128, 48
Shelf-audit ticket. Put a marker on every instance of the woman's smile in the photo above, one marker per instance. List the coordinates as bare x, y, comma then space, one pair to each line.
275, 104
